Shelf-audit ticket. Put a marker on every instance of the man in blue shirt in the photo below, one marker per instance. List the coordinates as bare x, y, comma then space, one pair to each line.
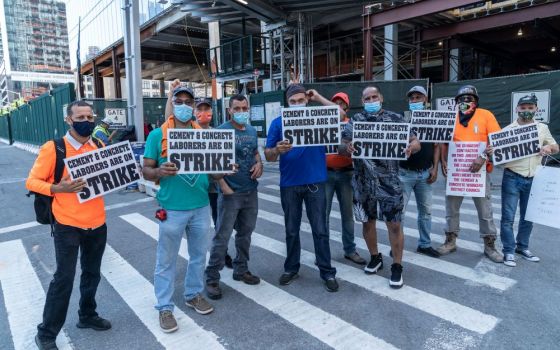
237, 201
303, 173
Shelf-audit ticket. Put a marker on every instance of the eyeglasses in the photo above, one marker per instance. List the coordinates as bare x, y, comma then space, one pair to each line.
183, 102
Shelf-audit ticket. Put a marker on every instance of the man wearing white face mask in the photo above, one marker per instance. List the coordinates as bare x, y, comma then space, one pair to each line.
237, 201
516, 185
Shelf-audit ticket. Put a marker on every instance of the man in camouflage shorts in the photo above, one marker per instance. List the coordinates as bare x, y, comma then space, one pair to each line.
376, 182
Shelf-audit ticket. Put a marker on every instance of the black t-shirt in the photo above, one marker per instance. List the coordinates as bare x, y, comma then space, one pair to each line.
422, 160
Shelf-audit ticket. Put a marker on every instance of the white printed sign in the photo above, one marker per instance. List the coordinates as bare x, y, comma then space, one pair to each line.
543, 207
543, 104
380, 140
311, 126
104, 170
198, 151
460, 180
433, 126
334, 148
117, 116
515, 143
446, 104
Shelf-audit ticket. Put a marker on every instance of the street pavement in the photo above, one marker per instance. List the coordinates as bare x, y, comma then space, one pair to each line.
461, 301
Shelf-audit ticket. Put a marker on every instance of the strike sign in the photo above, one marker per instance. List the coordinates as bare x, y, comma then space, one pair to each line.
380, 140
104, 170
433, 126
311, 126
334, 149
515, 143
197, 151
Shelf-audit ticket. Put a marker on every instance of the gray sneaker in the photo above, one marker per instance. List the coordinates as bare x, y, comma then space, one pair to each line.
167, 321
200, 305
509, 260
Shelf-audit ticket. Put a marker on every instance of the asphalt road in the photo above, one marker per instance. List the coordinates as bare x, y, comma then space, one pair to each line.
461, 301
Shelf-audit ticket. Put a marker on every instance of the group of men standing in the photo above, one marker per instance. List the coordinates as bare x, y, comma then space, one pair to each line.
367, 190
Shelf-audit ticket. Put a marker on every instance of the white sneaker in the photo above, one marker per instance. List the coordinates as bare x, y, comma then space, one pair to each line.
527, 255
509, 260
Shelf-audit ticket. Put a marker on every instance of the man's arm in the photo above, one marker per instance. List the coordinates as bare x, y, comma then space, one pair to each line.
257, 168
443, 157
316, 97
272, 153
434, 170
152, 172
413, 146
169, 104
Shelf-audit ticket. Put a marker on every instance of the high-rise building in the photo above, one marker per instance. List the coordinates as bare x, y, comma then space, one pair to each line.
35, 54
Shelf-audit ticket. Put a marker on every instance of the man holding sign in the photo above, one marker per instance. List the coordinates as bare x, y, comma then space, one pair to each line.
376, 182
303, 172
78, 227
473, 124
517, 182
184, 199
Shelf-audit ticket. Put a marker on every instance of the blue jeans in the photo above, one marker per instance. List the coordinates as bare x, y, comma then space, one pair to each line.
195, 223
292, 199
515, 188
340, 182
235, 211
417, 181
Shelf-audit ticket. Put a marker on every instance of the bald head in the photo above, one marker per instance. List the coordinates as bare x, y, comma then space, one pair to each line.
371, 94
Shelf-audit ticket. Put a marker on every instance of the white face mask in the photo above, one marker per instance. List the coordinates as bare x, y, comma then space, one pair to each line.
298, 105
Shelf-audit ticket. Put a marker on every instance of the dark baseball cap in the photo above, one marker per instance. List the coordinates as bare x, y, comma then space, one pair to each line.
418, 89
294, 89
180, 89
528, 99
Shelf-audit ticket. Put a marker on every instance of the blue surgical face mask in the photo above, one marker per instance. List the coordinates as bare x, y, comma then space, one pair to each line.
183, 113
84, 128
241, 118
416, 106
372, 107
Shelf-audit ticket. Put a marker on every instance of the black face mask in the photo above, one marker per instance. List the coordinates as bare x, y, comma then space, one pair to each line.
84, 128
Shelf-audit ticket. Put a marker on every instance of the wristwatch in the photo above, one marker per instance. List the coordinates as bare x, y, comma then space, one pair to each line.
484, 156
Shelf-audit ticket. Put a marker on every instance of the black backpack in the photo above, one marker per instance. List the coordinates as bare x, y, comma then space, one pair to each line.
42, 203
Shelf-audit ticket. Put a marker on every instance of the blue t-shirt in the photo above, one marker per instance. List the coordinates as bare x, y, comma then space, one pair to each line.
300, 165
246, 145
179, 192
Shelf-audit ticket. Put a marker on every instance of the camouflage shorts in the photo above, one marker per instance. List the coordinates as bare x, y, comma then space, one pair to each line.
385, 192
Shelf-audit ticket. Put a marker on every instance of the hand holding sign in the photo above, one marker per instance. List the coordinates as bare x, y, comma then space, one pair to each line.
68, 186
477, 164
546, 150
167, 169
283, 146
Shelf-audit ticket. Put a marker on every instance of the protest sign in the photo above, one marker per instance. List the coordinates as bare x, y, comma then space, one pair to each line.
334, 149
380, 140
543, 104
515, 143
104, 170
543, 207
198, 151
311, 126
460, 180
446, 104
117, 117
433, 126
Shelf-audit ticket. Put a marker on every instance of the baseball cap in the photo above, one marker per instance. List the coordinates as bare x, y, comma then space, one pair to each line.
180, 89
203, 101
528, 99
343, 96
294, 89
418, 89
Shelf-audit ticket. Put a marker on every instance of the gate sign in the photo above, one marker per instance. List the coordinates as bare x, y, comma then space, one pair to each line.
118, 117
543, 104
446, 104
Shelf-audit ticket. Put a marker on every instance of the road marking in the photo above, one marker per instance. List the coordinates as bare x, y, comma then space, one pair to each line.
24, 296
12, 180
326, 327
138, 293
438, 265
31, 224
408, 231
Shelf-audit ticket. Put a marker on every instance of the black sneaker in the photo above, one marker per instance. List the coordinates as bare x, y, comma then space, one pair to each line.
396, 280
375, 264
331, 284
213, 290
287, 278
229, 261
431, 252
247, 278
97, 323
45, 344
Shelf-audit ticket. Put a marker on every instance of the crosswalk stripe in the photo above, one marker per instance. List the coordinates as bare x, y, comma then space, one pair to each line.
438, 265
108, 207
24, 296
448, 310
138, 293
298, 312
408, 231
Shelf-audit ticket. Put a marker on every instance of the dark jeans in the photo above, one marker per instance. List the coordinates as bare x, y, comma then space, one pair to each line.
68, 240
213, 197
235, 211
314, 197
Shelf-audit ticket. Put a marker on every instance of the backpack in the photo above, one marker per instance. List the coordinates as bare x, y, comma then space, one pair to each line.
42, 203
